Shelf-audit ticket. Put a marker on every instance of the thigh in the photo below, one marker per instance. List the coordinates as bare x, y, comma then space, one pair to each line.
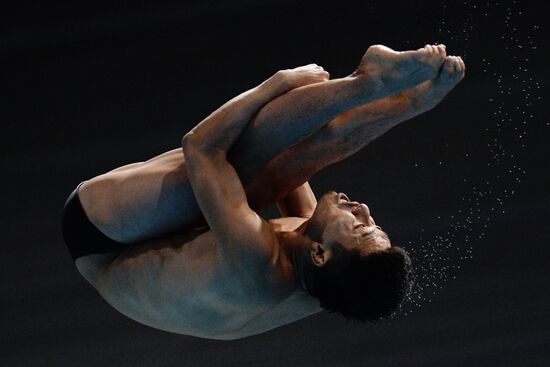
142, 200
148, 199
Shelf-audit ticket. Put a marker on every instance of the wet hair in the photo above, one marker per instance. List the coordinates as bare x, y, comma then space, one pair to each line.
363, 287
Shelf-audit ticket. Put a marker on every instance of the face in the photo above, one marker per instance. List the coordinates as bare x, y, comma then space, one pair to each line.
338, 219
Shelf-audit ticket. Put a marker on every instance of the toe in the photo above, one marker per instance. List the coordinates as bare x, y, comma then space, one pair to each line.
442, 50
454, 64
462, 64
448, 65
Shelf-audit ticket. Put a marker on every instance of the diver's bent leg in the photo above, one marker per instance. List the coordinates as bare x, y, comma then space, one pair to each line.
350, 132
342, 137
154, 197
148, 199
297, 114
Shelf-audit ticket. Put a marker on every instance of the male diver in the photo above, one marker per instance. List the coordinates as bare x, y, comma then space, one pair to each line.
175, 242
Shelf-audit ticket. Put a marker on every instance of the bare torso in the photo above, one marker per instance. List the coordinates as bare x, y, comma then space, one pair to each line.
177, 282
180, 284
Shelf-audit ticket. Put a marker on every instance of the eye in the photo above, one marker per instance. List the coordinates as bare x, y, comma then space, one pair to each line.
360, 225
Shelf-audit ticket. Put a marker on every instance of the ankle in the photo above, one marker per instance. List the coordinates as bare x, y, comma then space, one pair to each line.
368, 85
417, 103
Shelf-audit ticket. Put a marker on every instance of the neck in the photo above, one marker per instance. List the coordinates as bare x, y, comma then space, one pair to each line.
296, 246
297, 260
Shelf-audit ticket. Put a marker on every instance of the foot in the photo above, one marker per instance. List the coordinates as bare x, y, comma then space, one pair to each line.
389, 71
428, 94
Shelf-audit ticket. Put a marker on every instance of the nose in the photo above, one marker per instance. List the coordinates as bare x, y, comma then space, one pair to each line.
361, 209
365, 209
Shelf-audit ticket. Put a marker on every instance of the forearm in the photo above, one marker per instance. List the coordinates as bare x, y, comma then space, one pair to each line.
300, 202
220, 129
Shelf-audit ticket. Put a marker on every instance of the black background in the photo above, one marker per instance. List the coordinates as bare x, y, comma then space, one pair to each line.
86, 88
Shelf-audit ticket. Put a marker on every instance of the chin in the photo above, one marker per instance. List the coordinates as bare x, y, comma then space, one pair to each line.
331, 197
323, 207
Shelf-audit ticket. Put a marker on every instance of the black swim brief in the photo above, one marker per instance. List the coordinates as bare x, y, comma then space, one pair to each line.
81, 236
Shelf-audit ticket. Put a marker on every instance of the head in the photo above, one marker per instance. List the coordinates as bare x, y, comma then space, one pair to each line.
351, 266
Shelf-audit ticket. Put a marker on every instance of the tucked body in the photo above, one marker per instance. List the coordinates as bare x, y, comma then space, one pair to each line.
195, 258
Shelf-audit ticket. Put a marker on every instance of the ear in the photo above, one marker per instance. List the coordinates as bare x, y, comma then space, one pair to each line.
319, 254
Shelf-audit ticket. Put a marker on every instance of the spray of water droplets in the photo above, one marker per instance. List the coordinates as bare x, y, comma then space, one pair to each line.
438, 257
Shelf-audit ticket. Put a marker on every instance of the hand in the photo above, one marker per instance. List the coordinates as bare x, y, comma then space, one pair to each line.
303, 75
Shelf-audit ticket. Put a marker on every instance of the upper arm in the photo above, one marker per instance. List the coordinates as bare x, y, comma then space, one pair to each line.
241, 232
301, 202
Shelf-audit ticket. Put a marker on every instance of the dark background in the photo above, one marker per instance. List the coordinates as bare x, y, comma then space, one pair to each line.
86, 88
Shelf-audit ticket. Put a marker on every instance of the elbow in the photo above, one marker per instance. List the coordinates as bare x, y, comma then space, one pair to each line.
194, 146
187, 141
191, 144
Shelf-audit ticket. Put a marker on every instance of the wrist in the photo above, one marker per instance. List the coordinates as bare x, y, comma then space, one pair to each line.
276, 85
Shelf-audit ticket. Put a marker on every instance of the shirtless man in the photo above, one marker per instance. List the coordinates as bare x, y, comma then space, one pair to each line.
175, 243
